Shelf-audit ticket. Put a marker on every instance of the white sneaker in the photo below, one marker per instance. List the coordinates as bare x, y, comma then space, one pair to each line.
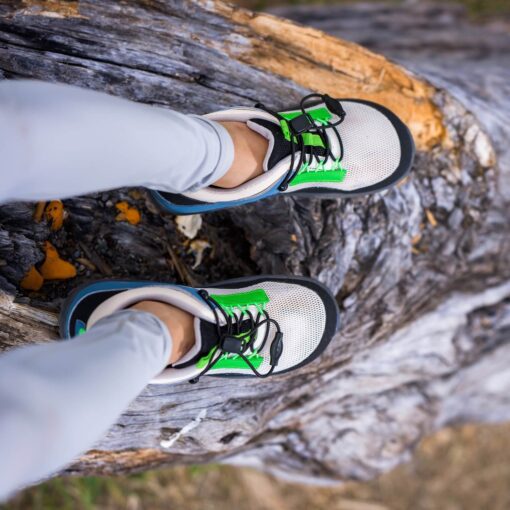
254, 326
326, 147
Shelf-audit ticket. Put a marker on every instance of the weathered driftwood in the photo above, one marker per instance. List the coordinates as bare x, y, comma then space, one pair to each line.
422, 271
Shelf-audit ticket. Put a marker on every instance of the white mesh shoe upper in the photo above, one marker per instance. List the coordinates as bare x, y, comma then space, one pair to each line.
301, 315
372, 147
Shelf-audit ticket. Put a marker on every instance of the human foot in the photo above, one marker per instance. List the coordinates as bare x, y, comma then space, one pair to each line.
250, 150
256, 326
326, 147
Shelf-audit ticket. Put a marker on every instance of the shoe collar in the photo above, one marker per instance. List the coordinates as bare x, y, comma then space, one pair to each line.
173, 296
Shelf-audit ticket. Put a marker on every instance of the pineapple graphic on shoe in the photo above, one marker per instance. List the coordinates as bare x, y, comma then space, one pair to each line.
325, 147
255, 326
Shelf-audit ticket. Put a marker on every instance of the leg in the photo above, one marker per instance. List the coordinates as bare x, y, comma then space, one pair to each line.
57, 399
57, 141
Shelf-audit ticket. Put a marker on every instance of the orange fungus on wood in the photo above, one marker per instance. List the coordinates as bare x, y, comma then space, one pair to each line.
127, 213
32, 280
54, 268
55, 214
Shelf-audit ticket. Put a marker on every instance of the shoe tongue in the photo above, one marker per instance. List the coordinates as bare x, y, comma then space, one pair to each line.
206, 338
278, 147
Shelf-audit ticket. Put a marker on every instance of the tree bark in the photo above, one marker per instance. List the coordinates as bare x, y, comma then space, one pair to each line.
421, 272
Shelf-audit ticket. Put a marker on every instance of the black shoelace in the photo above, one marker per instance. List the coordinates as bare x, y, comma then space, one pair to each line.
233, 340
304, 123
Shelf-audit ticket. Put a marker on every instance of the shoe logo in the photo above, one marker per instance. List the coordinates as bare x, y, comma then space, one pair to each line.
231, 361
79, 328
309, 174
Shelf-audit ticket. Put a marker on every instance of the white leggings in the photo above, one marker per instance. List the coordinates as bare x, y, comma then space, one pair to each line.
58, 141
58, 399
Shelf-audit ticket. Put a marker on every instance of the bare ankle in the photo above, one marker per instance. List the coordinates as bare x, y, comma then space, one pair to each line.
249, 152
180, 324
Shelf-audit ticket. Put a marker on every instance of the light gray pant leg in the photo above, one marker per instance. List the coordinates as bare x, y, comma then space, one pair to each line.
58, 399
57, 141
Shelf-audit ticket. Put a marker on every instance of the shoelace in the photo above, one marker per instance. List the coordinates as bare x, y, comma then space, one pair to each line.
236, 342
304, 123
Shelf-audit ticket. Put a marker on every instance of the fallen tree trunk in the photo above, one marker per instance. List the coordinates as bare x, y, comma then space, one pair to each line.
422, 271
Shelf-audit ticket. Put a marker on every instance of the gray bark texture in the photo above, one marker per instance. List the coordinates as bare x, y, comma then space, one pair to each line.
422, 271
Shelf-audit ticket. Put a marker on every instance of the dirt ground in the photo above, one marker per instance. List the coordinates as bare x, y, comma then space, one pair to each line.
466, 468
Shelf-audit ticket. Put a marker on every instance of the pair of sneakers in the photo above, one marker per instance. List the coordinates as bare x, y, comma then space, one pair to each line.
265, 325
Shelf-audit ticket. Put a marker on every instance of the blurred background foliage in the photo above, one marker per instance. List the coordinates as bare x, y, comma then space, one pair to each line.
465, 468
477, 9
